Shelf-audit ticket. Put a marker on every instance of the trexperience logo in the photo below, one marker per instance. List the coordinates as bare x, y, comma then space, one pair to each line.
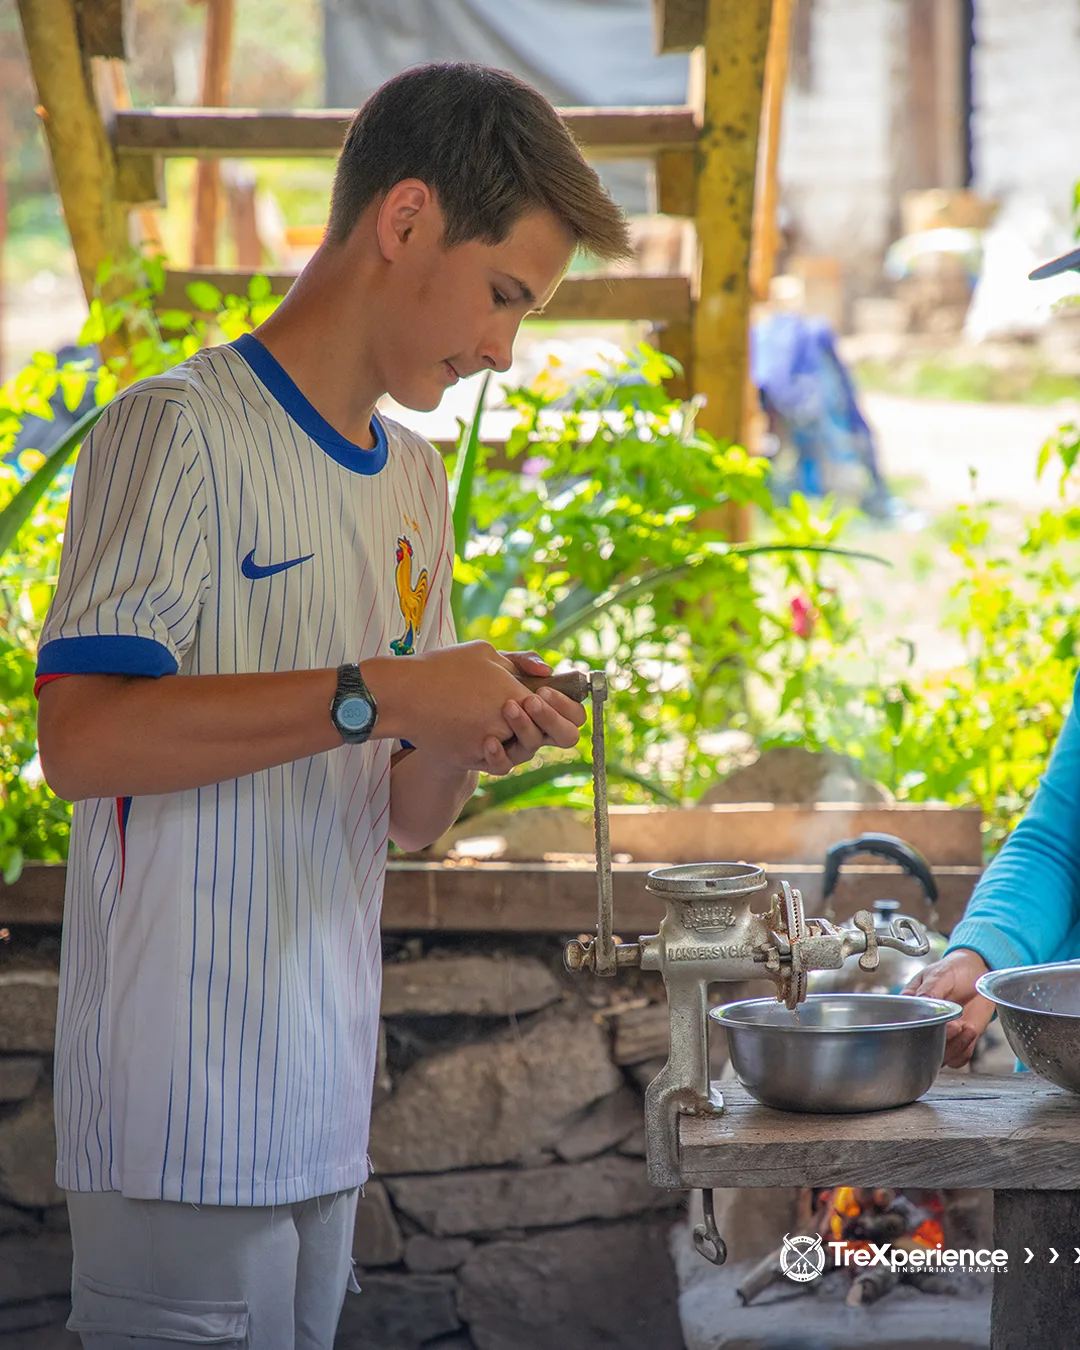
804, 1258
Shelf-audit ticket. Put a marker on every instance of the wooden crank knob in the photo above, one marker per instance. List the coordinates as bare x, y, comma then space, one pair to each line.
573, 683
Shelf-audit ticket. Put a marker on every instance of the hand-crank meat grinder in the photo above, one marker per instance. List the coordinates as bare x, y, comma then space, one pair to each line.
709, 933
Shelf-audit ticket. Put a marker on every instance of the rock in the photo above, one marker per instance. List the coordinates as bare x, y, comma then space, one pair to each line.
48, 1331
426, 1255
398, 1312
791, 776
486, 1202
18, 1076
39, 1268
494, 986
577, 1288
644, 1073
384, 1084
494, 1102
377, 1239
28, 1010
28, 1154
55, 1219
641, 1033
14, 1220
633, 1146
602, 1126
518, 836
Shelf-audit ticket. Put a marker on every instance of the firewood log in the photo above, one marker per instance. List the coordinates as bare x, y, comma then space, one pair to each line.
870, 1285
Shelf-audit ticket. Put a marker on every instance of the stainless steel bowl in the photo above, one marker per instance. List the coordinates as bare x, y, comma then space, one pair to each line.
1039, 1011
839, 1052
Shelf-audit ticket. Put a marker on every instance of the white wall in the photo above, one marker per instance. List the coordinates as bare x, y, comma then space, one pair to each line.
837, 151
1026, 92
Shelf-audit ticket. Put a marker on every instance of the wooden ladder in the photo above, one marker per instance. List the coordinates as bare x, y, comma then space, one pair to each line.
108, 161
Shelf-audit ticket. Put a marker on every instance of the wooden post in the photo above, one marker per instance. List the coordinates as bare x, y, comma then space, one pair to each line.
1036, 1302
81, 155
217, 55
766, 238
3, 232
736, 40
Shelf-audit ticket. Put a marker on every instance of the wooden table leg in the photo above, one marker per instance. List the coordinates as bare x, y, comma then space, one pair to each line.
1037, 1303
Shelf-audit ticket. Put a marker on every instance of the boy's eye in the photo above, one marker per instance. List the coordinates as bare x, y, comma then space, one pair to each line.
499, 298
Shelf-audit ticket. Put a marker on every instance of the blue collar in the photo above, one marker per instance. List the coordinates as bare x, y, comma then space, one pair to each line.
280, 384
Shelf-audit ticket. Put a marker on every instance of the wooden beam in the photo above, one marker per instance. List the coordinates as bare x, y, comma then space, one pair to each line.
678, 25
81, 156
736, 39
579, 298
530, 897
676, 182
970, 1130
140, 181
604, 133
766, 231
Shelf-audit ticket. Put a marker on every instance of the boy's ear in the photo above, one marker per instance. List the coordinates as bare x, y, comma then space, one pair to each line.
406, 210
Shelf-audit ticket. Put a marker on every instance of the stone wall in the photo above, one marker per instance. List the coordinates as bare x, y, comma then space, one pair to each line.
509, 1207
1026, 95
837, 158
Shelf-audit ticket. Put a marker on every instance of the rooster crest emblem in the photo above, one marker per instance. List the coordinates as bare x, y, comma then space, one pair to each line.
412, 598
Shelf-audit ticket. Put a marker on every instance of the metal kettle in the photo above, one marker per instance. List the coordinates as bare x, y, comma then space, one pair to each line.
894, 968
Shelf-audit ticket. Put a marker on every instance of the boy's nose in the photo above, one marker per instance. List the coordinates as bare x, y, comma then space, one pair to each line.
497, 353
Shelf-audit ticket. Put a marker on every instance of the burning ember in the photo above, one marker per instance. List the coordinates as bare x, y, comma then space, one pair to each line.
850, 1220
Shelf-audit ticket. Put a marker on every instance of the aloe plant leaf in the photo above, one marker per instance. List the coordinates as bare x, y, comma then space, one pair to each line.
638, 587
461, 489
502, 791
20, 508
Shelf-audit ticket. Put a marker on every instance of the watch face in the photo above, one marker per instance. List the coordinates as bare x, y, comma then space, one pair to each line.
354, 714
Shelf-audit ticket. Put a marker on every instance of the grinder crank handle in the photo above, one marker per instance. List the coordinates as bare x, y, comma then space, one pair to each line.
573, 683
905, 935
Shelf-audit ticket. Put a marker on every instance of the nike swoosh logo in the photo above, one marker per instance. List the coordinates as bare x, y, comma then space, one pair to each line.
254, 572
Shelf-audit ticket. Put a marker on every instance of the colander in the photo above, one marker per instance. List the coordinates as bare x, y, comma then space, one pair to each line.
1039, 1010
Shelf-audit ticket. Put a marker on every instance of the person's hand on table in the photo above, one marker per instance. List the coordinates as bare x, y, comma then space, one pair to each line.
953, 977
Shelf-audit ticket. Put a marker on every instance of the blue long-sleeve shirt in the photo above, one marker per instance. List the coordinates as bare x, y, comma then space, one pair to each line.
1025, 909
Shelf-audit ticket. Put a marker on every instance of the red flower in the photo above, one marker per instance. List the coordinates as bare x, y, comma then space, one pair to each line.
803, 616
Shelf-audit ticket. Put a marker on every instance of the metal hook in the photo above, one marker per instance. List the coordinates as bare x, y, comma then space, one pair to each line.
707, 1237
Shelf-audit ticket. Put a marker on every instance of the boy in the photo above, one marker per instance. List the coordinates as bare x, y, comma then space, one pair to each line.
249, 523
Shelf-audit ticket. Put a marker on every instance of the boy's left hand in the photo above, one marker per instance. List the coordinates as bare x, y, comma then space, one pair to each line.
544, 718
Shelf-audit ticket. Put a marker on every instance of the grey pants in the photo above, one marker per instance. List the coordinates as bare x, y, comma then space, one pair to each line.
149, 1274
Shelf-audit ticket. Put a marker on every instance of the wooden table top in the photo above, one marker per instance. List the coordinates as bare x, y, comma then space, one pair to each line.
1011, 1132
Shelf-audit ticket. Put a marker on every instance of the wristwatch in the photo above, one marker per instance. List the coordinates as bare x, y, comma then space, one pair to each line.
353, 709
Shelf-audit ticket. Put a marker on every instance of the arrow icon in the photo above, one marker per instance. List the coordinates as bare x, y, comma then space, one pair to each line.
1077, 1251
1055, 1255
1031, 1256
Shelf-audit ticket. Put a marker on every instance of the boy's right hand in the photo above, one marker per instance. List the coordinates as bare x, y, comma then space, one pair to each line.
452, 702
954, 977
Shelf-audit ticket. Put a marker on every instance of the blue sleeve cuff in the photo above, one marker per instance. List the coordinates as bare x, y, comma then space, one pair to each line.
980, 935
96, 655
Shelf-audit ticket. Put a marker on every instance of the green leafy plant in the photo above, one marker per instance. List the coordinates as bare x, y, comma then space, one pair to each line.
33, 823
603, 540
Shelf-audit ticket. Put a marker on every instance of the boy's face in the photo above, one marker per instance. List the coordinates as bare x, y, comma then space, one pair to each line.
447, 313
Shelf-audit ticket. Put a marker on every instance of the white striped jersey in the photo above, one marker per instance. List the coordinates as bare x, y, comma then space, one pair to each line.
221, 966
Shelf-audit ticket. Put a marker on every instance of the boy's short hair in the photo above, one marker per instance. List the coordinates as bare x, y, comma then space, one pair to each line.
489, 146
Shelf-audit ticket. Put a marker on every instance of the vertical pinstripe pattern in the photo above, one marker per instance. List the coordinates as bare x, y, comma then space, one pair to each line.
219, 1008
